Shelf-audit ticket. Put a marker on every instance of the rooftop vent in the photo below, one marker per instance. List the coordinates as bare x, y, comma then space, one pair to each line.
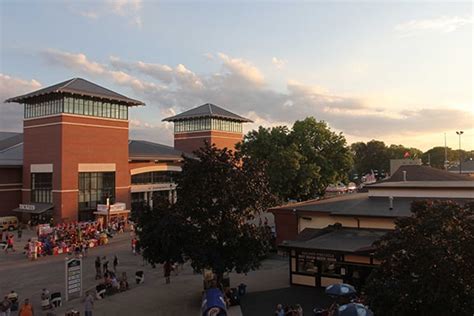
390, 201
404, 175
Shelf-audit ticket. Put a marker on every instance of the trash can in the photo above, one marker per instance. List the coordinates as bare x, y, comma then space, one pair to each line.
242, 289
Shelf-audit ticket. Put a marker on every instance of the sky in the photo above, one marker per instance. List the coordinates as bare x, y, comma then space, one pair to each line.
400, 72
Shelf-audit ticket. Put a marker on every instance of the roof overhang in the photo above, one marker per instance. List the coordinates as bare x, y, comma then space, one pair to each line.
34, 208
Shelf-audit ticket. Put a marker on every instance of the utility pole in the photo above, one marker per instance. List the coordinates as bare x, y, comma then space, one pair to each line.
445, 154
460, 160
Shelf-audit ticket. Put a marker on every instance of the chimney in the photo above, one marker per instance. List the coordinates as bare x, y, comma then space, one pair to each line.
390, 201
404, 176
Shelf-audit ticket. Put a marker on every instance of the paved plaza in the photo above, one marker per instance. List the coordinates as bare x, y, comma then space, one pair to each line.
181, 297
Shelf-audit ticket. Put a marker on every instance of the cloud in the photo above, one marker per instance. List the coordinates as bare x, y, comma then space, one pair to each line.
127, 9
11, 114
80, 63
443, 24
89, 14
279, 63
123, 7
77, 62
241, 69
240, 87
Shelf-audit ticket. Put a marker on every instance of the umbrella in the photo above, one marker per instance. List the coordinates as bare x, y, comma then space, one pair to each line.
354, 309
340, 289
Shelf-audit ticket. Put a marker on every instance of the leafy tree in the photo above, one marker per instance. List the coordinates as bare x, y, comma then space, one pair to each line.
300, 163
281, 157
399, 152
435, 156
427, 263
210, 223
373, 155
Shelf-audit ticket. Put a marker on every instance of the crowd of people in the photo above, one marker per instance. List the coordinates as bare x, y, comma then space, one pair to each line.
292, 310
71, 238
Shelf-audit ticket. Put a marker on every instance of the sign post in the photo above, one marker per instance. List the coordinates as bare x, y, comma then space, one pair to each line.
73, 270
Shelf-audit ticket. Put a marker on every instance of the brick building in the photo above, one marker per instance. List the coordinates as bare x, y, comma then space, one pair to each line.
75, 154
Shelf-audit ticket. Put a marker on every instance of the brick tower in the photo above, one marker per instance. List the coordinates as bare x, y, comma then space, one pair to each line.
75, 148
209, 123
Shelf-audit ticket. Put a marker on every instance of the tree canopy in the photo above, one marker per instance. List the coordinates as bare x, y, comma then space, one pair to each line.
211, 222
301, 162
375, 155
427, 263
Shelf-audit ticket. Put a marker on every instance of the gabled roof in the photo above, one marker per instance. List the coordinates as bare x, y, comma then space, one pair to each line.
207, 110
77, 86
424, 173
144, 150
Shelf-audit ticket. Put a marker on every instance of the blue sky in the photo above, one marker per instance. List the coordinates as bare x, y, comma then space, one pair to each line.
398, 72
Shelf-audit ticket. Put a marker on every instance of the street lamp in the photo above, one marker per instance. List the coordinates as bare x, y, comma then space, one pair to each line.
460, 160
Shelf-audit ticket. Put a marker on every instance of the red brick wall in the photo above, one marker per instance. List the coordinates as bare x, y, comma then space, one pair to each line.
10, 190
66, 141
189, 142
286, 225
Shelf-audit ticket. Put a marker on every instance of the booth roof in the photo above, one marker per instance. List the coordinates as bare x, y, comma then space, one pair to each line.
349, 240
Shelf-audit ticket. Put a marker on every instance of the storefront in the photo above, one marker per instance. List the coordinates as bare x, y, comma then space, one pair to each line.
35, 213
110, 213
321, 257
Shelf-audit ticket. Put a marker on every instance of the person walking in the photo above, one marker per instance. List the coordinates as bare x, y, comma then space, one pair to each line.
9, 244
26, 309
134, 245
167, 271
115, 263
19, 232
88, 304
5, 307
105, 265
98, 265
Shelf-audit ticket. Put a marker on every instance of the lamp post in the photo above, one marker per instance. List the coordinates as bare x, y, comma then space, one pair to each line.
460, 160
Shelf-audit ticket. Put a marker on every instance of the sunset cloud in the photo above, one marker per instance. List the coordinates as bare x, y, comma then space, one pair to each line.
442, 24
240, 86
279, 63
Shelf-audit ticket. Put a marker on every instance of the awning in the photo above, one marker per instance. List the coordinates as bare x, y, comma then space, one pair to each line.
34, 208
117, 212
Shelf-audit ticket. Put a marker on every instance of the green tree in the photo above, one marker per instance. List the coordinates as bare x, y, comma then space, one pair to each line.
326, 157
427, 263
218, 196
300, 162
373, 155
435, 156
399, 152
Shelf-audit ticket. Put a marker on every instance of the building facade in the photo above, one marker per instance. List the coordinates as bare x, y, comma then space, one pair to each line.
74, 155
206, 123
331, 240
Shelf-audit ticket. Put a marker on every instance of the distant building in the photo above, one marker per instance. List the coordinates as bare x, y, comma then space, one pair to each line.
397, 163
330, 240
209, 123
467, 168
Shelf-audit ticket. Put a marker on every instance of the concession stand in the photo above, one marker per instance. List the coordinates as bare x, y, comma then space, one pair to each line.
107, 213
320, 257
